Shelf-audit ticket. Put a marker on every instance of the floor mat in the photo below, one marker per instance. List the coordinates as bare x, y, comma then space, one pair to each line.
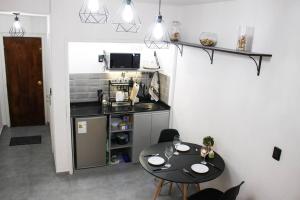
14, 141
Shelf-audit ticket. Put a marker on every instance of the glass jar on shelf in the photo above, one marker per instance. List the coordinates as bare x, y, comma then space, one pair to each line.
245, 38
208, 39
175, 31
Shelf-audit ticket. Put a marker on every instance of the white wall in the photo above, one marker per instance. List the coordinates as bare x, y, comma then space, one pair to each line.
27, 6
66, 27
247, 115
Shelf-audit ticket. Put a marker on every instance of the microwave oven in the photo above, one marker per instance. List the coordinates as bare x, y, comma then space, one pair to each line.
125, 61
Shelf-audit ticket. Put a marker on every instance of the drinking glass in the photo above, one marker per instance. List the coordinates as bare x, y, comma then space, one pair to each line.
169, 153
176, 142
204, 152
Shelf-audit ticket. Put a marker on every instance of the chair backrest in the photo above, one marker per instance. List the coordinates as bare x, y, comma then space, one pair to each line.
232, 193
167, 135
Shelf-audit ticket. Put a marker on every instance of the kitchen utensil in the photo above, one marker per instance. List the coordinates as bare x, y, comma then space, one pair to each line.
150, 155
122, 138
200, 168
163, 168
176, 142
188, 172
169, 153
182, 148
205, 163
156, 160
204, 152
134, 92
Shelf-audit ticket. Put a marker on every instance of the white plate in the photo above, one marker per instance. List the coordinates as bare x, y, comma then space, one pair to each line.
199, 168
156, 160
182, 147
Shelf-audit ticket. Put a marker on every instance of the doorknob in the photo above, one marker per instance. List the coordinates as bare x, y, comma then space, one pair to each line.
39, 83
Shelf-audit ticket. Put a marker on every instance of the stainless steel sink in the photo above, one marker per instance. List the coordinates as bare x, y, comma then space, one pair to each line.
147, 106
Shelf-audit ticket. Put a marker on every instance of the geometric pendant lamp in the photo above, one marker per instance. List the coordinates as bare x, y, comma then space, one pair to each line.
16, 30
94, 11
126, 18
158, 36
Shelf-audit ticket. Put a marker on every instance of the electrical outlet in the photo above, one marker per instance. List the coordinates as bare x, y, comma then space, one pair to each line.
276, 153
101, 58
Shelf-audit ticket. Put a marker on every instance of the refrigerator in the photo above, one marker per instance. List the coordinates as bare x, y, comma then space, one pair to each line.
90, 142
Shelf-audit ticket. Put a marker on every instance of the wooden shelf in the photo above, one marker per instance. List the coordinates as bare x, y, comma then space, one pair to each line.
211, 51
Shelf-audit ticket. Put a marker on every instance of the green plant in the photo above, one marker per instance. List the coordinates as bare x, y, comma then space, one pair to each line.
208, 141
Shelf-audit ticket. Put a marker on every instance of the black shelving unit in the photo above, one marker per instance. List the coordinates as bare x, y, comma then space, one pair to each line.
256, 57
113, 147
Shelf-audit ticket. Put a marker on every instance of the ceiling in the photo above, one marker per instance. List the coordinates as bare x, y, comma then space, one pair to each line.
180, 2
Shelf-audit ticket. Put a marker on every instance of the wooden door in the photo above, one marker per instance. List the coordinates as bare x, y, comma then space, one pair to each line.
24, 73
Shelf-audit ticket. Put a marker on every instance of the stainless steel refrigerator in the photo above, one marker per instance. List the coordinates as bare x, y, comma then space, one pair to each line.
90, 142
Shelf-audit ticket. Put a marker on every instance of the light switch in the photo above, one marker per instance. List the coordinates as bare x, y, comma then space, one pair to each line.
276, 153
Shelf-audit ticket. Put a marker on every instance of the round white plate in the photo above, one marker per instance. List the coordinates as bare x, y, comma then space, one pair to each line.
199, 168
156, 160
183, 147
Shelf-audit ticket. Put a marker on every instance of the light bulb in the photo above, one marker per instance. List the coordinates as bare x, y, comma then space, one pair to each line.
127, 13
17, 25
158, 31
93, 5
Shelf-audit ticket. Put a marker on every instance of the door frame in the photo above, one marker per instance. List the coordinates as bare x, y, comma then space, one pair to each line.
3, 81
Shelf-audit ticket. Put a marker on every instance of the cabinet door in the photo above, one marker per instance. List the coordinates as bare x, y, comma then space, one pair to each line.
141, 134
160, 121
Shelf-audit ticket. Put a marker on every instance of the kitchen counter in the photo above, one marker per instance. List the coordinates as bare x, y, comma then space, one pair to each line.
87, 109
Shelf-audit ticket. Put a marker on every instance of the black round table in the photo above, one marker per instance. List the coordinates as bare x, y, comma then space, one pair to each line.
179, 162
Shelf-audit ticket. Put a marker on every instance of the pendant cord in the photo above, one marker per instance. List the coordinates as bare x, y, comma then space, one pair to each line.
159, 7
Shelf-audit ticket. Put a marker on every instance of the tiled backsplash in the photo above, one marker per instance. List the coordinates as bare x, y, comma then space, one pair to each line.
83, 87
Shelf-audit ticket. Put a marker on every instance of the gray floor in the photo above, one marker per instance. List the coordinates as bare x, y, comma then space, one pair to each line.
27, 173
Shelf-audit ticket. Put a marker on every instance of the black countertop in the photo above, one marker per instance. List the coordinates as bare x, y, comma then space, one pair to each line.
87, 109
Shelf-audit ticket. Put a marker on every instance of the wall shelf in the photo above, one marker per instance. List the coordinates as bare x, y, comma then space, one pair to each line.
256, 57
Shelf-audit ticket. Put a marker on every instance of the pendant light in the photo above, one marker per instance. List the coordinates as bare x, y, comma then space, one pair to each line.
16, 29
158, 36
126, 18
94, 11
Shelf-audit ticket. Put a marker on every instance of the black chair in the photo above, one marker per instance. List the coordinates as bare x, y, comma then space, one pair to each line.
214, 194
167, 135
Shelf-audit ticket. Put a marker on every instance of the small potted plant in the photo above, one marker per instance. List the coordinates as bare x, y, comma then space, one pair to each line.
209, 143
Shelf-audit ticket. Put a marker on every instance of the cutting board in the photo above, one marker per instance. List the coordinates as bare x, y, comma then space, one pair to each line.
134, 92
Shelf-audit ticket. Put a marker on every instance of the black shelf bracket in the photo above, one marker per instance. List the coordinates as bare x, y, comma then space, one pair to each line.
210, 54
257, 63
180, 48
